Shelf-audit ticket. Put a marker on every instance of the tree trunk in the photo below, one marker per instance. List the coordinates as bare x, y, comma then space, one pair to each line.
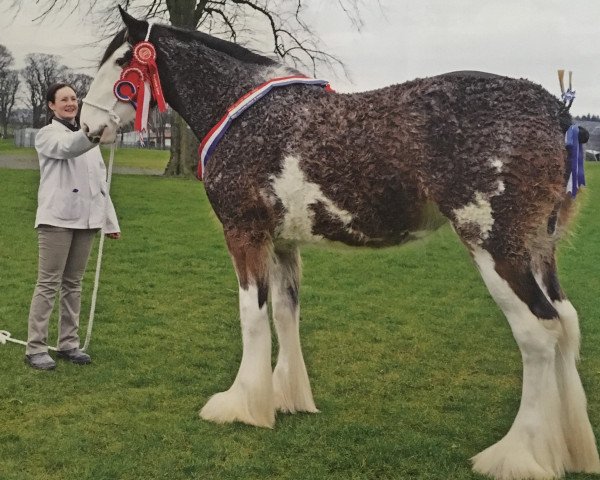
184, 145
37, 120
184, 149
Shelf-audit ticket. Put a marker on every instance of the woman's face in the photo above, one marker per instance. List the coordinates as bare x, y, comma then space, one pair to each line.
65, 104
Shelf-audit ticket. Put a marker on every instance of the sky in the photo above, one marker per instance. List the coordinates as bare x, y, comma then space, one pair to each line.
400, 40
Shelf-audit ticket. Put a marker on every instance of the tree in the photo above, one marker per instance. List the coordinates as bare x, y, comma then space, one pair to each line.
290, 37
80, 83
40, 72
159, 122
9, 85
6, 58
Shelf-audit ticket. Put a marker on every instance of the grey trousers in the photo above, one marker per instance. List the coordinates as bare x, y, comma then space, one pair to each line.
63, 256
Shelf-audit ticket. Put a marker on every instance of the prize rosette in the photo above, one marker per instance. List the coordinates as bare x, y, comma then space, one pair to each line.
145, 53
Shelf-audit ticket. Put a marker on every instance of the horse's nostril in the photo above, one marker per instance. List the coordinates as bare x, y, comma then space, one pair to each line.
85, 128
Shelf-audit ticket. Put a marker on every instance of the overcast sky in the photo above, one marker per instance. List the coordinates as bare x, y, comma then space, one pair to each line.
400, 40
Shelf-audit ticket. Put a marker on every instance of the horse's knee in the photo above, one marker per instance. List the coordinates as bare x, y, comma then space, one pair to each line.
538, 340
570, 323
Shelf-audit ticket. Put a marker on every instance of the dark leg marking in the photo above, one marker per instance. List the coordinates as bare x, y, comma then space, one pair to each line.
550, 279
250, 258
289, 261
293, 294
263, 293
523, 283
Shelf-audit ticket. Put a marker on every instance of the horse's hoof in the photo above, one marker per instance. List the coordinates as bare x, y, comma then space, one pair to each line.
292, 391
512, 460
233, 406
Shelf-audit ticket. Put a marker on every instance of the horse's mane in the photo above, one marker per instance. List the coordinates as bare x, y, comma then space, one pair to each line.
115, 43
229, 48
232, 49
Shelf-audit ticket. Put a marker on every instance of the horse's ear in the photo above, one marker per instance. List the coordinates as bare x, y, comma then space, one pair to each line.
136, 29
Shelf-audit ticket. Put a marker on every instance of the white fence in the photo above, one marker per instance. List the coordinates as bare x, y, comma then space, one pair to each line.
132, 139
25, 137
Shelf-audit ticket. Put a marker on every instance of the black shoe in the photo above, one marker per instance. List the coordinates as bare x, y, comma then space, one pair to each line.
74, 356
40, 361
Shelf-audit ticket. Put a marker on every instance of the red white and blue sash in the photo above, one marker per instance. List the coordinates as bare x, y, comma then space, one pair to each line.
212, 138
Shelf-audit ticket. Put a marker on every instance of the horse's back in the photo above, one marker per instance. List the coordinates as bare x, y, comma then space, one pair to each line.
363, 168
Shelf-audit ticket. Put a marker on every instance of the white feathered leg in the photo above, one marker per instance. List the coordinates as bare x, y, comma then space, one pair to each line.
535, 445
580, 439
250, 398
290, 379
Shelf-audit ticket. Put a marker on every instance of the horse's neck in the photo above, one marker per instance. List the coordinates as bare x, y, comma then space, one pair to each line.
202, 89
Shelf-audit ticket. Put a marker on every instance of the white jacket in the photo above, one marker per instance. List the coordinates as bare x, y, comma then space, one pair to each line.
73, 188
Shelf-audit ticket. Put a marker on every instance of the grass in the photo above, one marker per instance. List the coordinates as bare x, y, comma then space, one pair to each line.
413, 367
144, 158
138, 158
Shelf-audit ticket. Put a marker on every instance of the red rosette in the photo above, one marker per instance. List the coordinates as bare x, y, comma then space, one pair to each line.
133, 75
125, 90
144, 53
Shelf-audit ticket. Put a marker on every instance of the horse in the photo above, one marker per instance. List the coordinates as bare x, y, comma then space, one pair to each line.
304, 164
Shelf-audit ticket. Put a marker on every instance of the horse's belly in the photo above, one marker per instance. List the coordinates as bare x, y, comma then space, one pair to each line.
310, 215
318, 223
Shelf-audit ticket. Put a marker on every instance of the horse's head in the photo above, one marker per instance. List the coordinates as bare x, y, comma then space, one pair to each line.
102, 112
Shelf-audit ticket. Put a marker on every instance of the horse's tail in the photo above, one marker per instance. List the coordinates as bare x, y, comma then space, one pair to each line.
566, 208
563, 214
564, 118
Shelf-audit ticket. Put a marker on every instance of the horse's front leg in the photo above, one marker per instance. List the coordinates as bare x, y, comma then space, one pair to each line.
290, 379
250, 398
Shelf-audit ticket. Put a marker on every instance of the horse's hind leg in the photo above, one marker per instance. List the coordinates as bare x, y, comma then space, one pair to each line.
290, 379
535, 446
250, 398
581, 443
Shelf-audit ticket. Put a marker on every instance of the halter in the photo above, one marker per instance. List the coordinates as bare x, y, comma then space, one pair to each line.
139, 81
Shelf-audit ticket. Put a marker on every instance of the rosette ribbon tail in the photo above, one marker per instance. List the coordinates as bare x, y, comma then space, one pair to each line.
156, 86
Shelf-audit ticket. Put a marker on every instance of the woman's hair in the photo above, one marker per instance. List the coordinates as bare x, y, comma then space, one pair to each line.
51, 93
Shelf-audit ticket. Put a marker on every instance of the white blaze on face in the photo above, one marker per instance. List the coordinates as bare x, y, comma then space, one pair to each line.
100, 99
297, 195
478, 212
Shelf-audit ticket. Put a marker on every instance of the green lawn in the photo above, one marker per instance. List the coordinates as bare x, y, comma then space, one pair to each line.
413, 367
139, 158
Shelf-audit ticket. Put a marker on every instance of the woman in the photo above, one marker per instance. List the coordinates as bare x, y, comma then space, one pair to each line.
73, 204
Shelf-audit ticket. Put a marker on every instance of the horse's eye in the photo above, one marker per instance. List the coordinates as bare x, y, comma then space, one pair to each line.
121, 61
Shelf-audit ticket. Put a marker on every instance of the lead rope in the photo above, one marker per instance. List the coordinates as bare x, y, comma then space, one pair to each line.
88, 335
5, 335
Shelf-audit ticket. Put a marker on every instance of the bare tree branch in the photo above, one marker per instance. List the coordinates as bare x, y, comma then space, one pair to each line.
292, 38
226, 20
41, 70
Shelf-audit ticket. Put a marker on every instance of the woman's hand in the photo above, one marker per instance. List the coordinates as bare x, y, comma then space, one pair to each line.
114, 236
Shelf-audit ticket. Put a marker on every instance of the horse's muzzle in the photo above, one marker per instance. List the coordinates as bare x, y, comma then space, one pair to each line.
100, 135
